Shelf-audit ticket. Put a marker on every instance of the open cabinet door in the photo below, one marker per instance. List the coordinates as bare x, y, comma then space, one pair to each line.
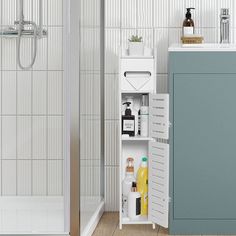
159, 116
159, 160
158, 183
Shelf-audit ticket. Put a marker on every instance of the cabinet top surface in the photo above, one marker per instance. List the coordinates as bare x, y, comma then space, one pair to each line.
205, 47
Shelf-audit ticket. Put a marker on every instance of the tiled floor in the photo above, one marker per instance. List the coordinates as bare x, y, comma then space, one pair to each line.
109, 226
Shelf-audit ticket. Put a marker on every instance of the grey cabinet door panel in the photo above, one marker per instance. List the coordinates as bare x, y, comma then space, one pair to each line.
204, 146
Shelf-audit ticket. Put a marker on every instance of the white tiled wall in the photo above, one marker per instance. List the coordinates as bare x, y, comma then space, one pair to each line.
31, 105
159, 22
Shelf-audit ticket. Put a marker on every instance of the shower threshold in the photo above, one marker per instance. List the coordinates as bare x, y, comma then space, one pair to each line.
41, 215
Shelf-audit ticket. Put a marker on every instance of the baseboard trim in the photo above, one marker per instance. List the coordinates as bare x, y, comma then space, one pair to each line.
91, 226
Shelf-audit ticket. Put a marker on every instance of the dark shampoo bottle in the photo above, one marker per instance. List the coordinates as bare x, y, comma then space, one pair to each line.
128, 121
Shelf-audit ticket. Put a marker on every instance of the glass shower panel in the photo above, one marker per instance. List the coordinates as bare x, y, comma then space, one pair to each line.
31, 120
91, 112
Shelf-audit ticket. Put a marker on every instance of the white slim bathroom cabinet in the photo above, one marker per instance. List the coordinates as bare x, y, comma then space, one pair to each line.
137, 77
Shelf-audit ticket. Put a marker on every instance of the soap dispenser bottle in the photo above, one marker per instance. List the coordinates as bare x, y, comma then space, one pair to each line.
128, 121
188, 24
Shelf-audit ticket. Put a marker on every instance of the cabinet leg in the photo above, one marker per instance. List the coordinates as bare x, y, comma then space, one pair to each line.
153, 226
120, 226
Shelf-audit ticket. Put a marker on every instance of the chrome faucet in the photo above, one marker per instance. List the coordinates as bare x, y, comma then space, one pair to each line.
224, 26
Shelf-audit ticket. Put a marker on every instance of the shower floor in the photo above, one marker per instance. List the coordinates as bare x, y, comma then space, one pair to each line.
31, 215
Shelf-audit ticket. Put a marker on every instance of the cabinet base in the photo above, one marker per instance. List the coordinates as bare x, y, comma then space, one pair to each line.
203, 227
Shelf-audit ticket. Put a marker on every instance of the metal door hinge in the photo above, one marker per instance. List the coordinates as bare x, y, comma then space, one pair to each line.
169, 199
170, 125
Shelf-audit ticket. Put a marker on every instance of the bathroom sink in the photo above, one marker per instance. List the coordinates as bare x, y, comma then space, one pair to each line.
203, 47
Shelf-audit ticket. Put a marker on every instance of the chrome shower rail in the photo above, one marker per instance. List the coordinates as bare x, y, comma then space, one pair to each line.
12, 32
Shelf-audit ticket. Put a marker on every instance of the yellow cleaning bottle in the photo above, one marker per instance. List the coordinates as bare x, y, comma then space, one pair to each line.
142, 185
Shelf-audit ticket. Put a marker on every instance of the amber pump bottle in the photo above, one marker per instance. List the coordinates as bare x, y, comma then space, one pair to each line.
188, 24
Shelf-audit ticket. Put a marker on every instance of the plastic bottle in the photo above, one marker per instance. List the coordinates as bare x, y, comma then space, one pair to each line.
144, 116
134, 203
188, 24
142, 185
127, 184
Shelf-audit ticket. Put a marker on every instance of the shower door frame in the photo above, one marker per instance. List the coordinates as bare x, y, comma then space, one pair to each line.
71, 52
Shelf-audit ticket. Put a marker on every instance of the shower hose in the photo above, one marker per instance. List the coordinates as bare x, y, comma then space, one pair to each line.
20, 30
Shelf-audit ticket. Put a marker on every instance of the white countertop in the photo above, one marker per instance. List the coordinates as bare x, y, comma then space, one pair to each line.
205, 47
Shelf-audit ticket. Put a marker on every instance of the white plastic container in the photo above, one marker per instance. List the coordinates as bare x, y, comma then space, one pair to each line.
134, 203
144, 117
127, 184
136, 48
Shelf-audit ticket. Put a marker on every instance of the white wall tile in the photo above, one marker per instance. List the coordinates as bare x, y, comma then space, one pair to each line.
147, 35
128, 13
112, 46
55, 93
86, 81
8, 12
39, 137
176, 13
55, 50
126, 34
9, 92
55, 133
9, 137
97, 51
39, 92
87, 51
87, 13
111, 142
161, 18
39, 177
90, 99
112, 12
36, 11
24, 92
8, 54
30, 92
41, 57
210, 35
111, 95
111, 188
0, 180
162, 83
55, 177
175, 35
161, 47
55, 12
0, 141
144, 14
8, 177
90, 137
24, 177
24, 139
210, 14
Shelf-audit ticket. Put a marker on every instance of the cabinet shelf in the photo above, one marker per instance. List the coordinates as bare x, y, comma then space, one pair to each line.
140, 220
137, 138
138, 92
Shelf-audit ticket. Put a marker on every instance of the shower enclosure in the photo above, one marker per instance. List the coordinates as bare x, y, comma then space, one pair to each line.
34, 196
91, 114
51, 116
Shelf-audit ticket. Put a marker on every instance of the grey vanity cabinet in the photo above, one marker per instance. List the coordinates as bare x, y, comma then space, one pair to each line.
202, 87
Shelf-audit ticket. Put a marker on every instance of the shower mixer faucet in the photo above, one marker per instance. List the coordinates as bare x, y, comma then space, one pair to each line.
26, 28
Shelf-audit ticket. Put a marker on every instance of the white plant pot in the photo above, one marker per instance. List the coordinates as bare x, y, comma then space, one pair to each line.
136, 48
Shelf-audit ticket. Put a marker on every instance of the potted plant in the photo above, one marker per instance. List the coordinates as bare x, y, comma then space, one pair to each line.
136, 46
